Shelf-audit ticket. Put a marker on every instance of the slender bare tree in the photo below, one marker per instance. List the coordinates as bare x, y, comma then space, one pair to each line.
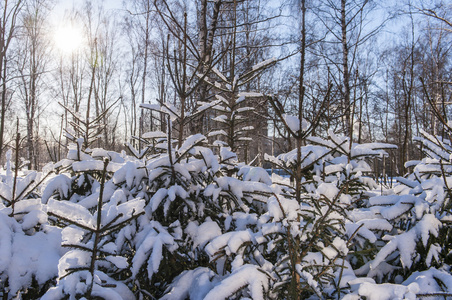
347, 30
32, 61
9, 18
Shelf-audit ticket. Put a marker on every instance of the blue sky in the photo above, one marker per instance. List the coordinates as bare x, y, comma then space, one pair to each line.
62, 5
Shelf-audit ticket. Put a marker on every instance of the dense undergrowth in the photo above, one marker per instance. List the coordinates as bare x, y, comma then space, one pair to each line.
192, 222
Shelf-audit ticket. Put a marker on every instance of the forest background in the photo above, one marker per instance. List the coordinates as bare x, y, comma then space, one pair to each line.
133, 138
371, 70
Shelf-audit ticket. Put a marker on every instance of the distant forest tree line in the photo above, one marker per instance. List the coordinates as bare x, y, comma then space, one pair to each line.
242, 72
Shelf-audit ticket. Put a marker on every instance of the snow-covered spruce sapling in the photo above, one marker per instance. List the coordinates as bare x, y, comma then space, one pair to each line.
28, 261
408, 229
233, 107
302, 165
255, 241
258, 244
88, 268
298, 129
235, 266
15, 187
419, 212
86, 130
187, 69
350, 162
433, 176
348, 168
417, 251
312, 237
328, 166
176, 118
176, 182
76, 178
190, 203
29, 247
19, 192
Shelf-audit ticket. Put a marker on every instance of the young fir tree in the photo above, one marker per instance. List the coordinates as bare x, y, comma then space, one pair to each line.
233, 105
190, 200
415, 219
331, 183
89, 267
29, 247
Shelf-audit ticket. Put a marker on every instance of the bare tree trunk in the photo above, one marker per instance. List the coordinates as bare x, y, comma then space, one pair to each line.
3, 64
90, 94
295, 283
206, 37
345, 69
31, 65
183, 95
408, 95
7, 30
162, 92
145, 66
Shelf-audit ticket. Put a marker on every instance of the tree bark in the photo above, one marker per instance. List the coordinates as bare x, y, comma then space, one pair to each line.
345, 70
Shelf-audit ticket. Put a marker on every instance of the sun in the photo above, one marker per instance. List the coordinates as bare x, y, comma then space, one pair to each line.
68, 38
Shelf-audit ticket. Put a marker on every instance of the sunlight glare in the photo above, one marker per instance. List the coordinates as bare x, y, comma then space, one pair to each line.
68, 39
